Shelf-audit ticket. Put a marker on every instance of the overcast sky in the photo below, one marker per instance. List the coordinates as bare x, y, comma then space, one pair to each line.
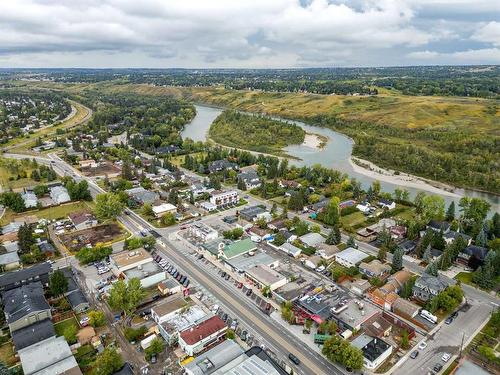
247, 33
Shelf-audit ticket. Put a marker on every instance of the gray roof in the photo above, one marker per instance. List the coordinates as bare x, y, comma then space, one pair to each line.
312, 239
215, 358
9, 258
48, 357
22, 301
252, 212
76, 298
25, 274
11, 227
438, 283
33, 333
68, 273
125, 370
142, 195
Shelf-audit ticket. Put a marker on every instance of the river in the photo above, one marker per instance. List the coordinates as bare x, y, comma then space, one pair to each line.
335, 155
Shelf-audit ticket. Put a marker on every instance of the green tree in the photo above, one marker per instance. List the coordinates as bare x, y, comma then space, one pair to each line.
351, 242
13, 200
405, 342
382, 254
397, 259
432, 208
450, 212
126, 296
230, 335
168, 219
25, 238
69, 333
334, 237
108, 362
96, 318
147, 210
331, 215
432, 269
482, 238
155, 347
108, 206
58, 283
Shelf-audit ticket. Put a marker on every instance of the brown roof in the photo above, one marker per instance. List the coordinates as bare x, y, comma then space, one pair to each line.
126, 258
170, 304
377, 325
405, 306
80, 217
203, 330
9, 237
258, 231
401, 277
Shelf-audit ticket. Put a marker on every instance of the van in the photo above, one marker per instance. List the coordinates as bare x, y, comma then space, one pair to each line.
294, 359
215, 308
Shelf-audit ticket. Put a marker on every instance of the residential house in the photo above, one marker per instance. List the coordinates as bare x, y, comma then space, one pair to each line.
428, 286
290, 249
250, 178
202, 336
451, 236
39, 272
223, 198
386, 295
82, 220
387, 204
252, 213
374, 230
51, 356
142, 196
352, 314
375, 350
163, 209
221, 165
30, 199
326, 251
375, 269
350, 257
408, 246
25, 305
277, 224
257, 233
405, 308
9, 261
289, 184
33, 333
473, 256
438, 226
169, 286
377, 326
78, 301
312, 239
59, 194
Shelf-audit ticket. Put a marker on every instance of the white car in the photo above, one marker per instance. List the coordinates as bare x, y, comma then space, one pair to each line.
422, 345
445, 357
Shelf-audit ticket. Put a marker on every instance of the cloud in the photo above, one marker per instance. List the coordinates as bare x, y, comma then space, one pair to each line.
228, 33
472, 56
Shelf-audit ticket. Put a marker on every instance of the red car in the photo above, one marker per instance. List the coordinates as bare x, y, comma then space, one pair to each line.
240, 285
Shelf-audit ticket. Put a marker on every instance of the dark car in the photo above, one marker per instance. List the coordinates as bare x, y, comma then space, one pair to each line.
200, 256
249, 292
437, 367
183, 278
454, 315
294, 359
227, 277
223, 274
243, 336
186, 282
449, 320
178, 277
414, 354
175, 274
224, 317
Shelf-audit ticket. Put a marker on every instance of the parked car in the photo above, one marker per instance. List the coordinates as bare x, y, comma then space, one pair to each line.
244, 335
186, 283
223, 274
437, 367
178, 277
234, 324
422, 345
84, 321
183, 278
249, 292
215, 308
414, 354
224, 317
294, 359
454, 315
227, 277
445, 357
449, 320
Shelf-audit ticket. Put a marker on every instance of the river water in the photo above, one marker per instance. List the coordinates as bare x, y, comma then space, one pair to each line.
334, 155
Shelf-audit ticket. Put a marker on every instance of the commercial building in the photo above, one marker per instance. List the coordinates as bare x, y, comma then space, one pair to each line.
213, 359
163, 209
202, 231
375, 350
227, 250
252, 213
169, 286
139, 264
352, 314
243, 263
202, 336
350, 257
221, 198
254, 361
264, 276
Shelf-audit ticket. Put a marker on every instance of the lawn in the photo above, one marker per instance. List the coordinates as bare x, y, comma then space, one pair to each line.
7, 354
464, 277
62, 325
353, 219
56, 212
9, 177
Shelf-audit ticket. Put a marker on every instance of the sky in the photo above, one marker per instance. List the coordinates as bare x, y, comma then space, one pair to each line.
247, 33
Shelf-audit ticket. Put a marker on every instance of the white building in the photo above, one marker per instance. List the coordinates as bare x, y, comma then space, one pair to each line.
290, 249
350, 257
197, 338
221, 198
163, 209
208, 206
30, 199
59, 194
262, 276
203, 231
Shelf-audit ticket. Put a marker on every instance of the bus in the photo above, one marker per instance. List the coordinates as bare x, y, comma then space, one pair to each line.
428, 316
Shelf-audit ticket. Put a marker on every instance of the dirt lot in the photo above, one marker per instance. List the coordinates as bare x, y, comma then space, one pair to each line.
74, 241
102, 170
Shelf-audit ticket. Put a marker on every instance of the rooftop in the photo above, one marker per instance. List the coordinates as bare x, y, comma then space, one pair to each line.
246, 261
184, 319
25, 274
142, 271
169, 305
312, 239
24, 300
215, 358
127, 258
265, 274
203, 330
352, 255
354, 315
33, 333
81, 217
238, 248
371, 347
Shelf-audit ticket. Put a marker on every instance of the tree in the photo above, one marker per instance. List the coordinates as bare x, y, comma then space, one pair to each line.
173, 197
108, 206
376, 188
432, 269
4, 370
155, 347
473, 213
351, 242
397, 259
88, 255
168, 219
484, 276
241, 184
108, 362
96, 318
13, 200
419, 202
432, 208
78, 191
126, 296
266, 291
334, 237
495, 225
127, 173
69, 333
25, 238
58, 283
427, 254
405, 342
331, 215
482, 238
450, 212
382, 254
230, 335
336, 349
147, 210
308, 324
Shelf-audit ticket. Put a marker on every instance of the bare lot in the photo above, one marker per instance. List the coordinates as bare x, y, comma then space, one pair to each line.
101, 234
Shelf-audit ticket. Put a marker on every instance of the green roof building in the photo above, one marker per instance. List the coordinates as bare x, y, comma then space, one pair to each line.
238, 248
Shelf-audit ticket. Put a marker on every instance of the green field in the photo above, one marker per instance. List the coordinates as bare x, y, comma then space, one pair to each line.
56, 212
62, 325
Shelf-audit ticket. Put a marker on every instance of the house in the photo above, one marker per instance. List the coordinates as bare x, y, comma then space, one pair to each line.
350, 257
438, 226
326, 251
405, 308
387, 204
222, 198
375, 350
264, 276
208, 206
125, 370
9, 261
213, 359
169, 286
33, 333
472, 256
377, 326
428, 286
250, 178
25, 305
257, 233
351, 314
142, 196
364, 207
289, 236
59, 194
398, 232
202, 232
277, 224
359, 287
408, 246
290, 249
203, 335
386, 295
374, 230
252, 213
163, 209
82, 220
46, 247
396, 281
30, 199
51, 356
138, 264
451, 236
374, 269
221, 165
39, 272
78, 301
289, 184
312, 239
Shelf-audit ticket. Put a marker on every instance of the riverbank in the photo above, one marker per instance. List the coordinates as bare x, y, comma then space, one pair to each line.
371, 170
315, 141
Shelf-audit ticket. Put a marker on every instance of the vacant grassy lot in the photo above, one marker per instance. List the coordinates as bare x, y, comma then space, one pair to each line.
62, 325
57, 212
